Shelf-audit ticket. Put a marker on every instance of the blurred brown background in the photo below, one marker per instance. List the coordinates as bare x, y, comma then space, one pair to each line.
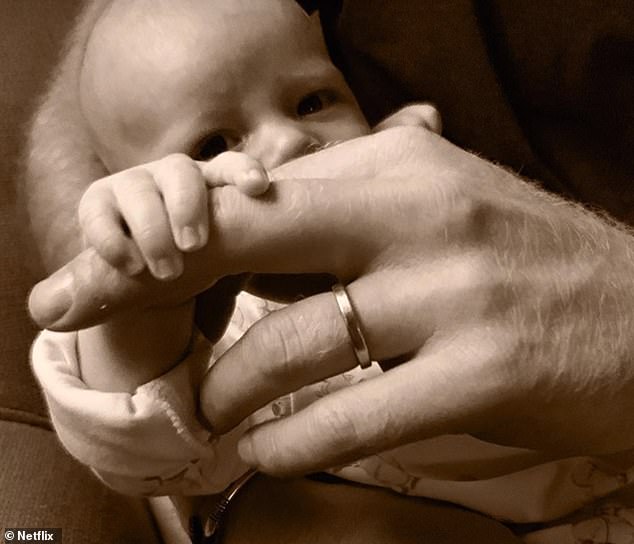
31, 34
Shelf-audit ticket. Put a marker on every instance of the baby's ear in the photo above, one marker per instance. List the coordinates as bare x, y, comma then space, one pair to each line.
424, 115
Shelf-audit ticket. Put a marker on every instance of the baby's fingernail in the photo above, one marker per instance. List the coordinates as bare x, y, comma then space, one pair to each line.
51, 299
167, 268
189, 239
134, 266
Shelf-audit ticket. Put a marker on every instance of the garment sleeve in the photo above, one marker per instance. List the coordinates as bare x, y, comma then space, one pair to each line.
149, 442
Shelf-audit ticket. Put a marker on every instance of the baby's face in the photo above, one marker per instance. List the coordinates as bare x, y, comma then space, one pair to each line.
204, 76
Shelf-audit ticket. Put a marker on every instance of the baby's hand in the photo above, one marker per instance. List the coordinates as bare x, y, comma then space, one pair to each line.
151, 213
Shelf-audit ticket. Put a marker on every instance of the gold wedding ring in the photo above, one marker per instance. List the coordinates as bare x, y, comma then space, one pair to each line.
357, 339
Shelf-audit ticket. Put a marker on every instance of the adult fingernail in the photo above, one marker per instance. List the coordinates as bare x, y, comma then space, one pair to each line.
245, 451
51, 299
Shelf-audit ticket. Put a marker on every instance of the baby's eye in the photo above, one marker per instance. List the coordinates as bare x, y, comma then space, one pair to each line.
209, 147
312, 103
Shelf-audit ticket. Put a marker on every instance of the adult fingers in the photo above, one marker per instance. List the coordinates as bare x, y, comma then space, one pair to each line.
308, 341
297, 227
102, 227
184, 192
88, 290
142, 207
265, 235
71, 291
449, 387
399, 308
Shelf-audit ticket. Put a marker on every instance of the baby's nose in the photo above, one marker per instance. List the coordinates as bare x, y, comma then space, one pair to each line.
277, 142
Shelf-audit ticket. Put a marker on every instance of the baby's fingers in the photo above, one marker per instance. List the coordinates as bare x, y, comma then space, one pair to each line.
142, 207
239, 169
103, 229
184, 191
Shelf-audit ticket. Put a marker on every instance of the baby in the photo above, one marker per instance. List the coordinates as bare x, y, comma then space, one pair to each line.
247, 84
179, 97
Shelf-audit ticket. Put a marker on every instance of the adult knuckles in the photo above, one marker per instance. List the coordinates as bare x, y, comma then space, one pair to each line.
467, 215
400, 150
336, 428
278, 344
269, 451
482, 285
438, 196
404, 137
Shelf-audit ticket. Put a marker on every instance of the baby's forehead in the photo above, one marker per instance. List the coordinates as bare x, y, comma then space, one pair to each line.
149, 58
171, 17
165, 34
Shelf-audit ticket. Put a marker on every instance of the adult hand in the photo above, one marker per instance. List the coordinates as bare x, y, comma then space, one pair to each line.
509, 311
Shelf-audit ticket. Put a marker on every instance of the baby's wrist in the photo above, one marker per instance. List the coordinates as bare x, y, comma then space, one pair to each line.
133, 349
